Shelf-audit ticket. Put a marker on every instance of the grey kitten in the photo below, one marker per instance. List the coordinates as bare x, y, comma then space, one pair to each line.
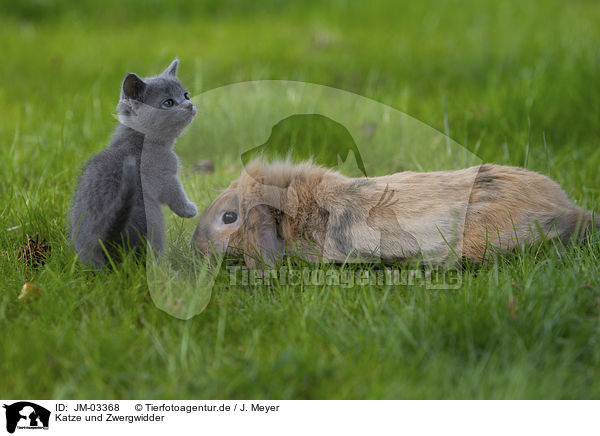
118, 201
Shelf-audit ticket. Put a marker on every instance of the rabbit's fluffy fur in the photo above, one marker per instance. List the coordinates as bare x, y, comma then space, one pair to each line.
322, 215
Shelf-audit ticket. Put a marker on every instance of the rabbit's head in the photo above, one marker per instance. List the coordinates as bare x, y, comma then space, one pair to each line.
242, 221
219, 223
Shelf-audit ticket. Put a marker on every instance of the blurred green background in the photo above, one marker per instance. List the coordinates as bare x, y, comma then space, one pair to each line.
514, 82
511, 80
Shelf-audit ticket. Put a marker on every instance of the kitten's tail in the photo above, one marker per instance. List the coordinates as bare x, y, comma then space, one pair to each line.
112, 224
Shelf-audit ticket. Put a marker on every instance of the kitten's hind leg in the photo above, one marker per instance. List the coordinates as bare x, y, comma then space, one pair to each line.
112, 224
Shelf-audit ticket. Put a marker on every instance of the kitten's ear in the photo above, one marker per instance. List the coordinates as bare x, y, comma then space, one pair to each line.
133, 87
172, 69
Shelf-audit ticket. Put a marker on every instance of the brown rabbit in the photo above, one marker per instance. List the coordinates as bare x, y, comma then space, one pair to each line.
279, 208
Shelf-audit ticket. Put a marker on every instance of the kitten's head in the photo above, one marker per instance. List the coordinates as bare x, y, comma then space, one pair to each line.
158, 106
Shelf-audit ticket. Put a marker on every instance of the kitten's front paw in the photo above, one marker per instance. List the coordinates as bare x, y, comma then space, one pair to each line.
190, 211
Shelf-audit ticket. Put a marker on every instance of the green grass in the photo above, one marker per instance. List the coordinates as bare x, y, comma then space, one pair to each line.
516, 83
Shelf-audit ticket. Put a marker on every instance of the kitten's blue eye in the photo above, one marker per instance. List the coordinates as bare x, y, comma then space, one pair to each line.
186, 96
229, 217
169, 102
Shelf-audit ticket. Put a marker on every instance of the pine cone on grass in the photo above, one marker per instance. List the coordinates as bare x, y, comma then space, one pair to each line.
34, 253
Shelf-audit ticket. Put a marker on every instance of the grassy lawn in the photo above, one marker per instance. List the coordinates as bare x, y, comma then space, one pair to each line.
516, 83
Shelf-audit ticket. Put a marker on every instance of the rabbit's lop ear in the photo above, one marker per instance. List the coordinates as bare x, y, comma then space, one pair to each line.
263, 246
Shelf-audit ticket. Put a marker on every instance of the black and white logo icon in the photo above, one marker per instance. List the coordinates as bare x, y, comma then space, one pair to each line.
26, 415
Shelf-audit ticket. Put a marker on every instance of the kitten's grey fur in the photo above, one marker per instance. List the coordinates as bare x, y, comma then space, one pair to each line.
122, 188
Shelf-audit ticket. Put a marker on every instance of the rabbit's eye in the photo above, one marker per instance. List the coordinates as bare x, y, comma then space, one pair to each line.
229, 217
